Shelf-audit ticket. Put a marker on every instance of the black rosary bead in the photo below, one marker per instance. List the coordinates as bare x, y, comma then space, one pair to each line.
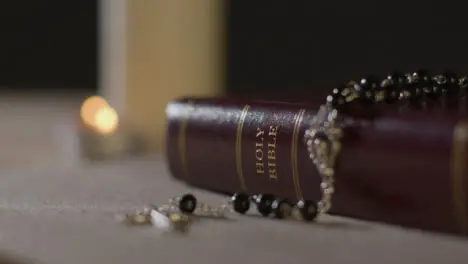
414, 92
187, 203
307, 209
367, 89
240, 203
342, 95
393, 86
281, 208
264, 203
463, 83
397, 77
433, 92
418, 82
420, 75
336, 98
448, 82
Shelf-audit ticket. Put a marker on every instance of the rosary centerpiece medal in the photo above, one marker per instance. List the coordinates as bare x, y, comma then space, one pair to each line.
323, 144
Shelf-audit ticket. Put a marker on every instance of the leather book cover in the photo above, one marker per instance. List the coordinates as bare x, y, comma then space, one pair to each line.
404, 169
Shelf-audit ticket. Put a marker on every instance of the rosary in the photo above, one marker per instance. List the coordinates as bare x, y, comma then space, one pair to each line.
322, 139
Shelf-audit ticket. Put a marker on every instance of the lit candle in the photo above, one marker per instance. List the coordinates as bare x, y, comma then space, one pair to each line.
106, 120
98, 115
101, 133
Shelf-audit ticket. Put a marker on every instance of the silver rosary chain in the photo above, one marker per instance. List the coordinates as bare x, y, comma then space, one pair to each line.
323, 144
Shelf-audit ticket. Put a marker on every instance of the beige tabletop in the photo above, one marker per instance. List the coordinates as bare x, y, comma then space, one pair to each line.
67, 215
56, 209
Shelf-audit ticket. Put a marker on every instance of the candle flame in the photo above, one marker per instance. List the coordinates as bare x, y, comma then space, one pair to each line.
99, 115
106, 120
89, 108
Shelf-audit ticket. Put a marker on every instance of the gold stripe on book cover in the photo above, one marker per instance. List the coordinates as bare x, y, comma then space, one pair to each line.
459, 171
294, 148
238, 147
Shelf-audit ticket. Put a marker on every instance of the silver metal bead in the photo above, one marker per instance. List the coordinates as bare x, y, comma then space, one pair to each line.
171, 221
140, 217
167, 208
207, 210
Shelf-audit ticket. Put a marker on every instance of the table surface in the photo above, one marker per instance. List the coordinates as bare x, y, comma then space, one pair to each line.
56, 211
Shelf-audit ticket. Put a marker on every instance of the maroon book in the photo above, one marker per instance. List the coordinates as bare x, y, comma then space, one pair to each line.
405, 169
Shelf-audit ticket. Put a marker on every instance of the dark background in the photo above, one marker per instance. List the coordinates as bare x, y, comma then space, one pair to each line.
48, 44
308, 45
272, 45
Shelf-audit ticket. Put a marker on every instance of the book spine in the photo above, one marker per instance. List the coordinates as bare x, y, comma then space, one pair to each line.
400, 170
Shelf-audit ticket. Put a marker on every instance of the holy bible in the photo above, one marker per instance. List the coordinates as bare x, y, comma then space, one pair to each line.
407, 169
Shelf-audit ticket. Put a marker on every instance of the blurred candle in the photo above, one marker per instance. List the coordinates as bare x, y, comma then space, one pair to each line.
90, 107
101, 133
106, 120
